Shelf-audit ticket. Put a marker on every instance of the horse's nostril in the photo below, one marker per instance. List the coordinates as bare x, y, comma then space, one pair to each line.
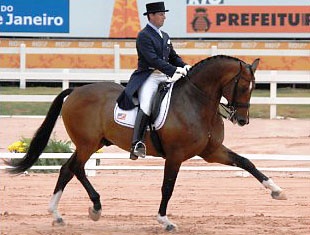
242, 122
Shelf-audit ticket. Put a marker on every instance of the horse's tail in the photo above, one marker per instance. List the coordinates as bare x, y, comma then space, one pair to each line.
41, 137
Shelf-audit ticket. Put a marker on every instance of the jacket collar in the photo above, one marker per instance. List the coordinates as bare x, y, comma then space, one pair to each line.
154, 32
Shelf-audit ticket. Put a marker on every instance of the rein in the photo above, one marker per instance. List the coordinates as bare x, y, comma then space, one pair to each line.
200, 92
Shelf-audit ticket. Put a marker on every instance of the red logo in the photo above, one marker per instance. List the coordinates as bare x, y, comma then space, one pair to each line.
121, 116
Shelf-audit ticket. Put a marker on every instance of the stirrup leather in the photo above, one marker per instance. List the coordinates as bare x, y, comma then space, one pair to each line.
139, 149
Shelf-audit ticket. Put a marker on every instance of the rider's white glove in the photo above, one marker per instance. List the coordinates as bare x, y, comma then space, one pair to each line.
187, 67
180, 72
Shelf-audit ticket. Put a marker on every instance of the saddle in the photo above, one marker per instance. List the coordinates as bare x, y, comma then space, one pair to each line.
159, 111
162, 90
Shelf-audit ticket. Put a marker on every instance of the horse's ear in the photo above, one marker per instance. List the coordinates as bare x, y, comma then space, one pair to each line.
255, 64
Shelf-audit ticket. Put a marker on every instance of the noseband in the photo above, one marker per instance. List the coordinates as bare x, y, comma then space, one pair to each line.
231, 107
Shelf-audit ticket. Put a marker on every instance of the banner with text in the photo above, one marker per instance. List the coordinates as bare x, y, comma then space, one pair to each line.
34, 16
247, 19
204, 19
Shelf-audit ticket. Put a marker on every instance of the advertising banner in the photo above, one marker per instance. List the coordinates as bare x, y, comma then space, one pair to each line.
247, 19
196, 19
274, 59
35, 16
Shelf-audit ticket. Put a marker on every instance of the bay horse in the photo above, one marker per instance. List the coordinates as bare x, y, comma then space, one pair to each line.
193, 128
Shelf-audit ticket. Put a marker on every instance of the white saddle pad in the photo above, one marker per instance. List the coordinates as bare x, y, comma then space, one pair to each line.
127, 117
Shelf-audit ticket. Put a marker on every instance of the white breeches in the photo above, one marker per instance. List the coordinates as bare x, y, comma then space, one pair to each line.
148, 90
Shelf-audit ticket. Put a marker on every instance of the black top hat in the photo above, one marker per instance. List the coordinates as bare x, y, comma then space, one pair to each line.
155, 7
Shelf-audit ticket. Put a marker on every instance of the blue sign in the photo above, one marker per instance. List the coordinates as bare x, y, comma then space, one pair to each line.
34, 16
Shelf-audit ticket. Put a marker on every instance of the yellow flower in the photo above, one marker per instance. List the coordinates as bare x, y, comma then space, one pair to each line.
99, 150
18, 146
11, 148
18, 143
21, 150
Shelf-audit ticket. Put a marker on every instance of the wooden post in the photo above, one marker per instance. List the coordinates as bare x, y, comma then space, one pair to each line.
117, 63
213, 50
91, 163
22, 66
273, 95
65, 81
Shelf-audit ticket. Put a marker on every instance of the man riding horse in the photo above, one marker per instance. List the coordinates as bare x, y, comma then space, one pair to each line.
157, 62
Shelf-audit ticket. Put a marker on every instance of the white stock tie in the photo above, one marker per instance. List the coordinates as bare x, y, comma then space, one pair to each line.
160, 34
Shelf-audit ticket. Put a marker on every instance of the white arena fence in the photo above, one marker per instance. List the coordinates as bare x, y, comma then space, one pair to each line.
65, 76
91, 166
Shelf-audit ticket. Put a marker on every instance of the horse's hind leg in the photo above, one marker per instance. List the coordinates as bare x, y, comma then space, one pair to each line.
77, 168
228, 157
74, 166
64, 177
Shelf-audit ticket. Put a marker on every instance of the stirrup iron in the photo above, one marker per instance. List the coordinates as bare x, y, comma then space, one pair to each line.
139, 149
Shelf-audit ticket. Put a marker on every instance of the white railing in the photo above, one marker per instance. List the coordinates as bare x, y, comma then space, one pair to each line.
116, 51
272, 77
118, 75
66, 76
91, 166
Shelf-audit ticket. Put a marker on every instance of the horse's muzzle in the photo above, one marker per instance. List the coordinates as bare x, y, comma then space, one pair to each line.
241, 120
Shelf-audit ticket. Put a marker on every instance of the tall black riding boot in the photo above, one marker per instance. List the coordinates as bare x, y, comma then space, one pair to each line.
138, 147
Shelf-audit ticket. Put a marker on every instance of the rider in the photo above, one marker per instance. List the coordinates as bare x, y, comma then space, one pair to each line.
157, 62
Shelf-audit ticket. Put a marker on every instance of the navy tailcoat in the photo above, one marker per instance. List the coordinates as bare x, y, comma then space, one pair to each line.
154, 52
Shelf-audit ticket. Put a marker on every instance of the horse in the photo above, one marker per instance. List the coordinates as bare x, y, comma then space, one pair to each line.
193, 127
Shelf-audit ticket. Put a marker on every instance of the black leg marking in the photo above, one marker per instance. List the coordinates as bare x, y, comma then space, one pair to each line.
247, 165
79, 172
65, 175
170, 176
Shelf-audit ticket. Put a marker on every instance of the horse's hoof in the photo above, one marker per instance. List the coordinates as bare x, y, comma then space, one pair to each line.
93, 214
133, 156
170, 228
279, 195
58, 222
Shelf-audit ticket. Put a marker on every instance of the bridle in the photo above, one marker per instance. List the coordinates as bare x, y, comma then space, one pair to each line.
231, 108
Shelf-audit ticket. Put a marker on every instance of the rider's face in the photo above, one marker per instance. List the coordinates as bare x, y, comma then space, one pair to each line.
157, 19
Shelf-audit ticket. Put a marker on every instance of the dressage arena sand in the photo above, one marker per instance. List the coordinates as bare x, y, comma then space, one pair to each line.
203, 202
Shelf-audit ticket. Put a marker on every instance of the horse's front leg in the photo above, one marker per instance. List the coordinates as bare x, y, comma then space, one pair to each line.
228, 157
170, 176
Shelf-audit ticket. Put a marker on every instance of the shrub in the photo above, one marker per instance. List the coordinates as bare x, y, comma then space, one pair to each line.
53, 146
